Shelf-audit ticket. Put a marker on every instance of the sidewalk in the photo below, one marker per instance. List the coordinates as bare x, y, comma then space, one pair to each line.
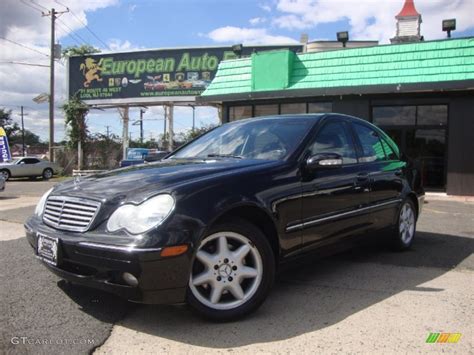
442, 196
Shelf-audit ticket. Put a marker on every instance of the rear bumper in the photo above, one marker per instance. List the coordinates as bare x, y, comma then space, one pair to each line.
100, 266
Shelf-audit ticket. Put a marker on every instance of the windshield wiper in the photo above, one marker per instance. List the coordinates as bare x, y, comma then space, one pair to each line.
225, 156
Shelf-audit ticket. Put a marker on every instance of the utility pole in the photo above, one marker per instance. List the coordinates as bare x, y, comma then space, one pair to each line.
53, 13
22, 131
170, 127
165, 140
108, 131
142, 111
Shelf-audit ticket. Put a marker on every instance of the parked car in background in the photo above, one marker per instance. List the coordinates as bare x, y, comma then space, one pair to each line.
137, 156
210, 224
28, 167
2, 183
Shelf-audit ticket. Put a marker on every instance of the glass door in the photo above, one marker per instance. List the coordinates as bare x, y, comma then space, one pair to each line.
420, 133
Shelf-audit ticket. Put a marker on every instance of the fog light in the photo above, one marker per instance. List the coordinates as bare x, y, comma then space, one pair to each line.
130, 279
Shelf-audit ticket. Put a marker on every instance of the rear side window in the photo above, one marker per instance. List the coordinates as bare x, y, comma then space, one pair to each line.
334, 138
389, 152
372, 149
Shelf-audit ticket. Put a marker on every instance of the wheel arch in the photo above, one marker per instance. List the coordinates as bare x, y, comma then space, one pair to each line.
412, 196
258, 217
8, 170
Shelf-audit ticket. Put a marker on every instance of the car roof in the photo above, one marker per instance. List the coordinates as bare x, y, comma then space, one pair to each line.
303, 116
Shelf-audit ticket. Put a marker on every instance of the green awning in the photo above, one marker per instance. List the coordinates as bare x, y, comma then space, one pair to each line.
441, 61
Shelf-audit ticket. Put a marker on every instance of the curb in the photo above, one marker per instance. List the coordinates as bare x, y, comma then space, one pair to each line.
442, 196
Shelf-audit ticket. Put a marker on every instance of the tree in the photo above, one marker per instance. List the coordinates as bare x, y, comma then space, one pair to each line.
75, 112
190, 134
30, 137
13, 130
5, 117
79, 50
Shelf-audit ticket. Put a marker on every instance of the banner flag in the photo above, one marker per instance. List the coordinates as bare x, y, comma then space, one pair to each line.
4, 148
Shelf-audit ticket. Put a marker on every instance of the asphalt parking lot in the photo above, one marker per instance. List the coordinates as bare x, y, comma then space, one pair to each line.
365, 300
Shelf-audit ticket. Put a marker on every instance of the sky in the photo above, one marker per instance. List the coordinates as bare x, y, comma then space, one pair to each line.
119, 25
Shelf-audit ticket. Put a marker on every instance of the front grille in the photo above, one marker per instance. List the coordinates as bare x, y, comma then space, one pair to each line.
70, 213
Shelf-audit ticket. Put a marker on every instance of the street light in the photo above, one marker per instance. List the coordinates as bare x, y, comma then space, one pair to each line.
449, 25
343, 37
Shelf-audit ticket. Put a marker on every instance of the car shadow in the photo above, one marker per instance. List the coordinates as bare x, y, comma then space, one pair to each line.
313, 294
8, 197
104, 306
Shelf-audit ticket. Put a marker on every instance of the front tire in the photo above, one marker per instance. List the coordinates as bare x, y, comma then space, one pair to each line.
6, 174
404, 234
232, 272
47, 174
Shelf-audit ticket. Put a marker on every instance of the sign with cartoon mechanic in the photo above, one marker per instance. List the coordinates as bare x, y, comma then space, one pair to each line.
149, 74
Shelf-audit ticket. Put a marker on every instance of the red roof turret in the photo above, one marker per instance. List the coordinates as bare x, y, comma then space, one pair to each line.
408, 9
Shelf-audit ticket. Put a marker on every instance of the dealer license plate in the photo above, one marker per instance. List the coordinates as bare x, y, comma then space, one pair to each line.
48, 249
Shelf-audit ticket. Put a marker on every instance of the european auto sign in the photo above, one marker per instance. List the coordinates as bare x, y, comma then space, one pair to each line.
149, 75
4, 148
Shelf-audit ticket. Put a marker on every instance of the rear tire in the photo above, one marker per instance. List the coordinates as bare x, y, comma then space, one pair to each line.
232, 272
6, 174
404, 232
47, 174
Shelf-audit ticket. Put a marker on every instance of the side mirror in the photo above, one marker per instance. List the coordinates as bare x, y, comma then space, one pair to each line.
22, 163
324, 160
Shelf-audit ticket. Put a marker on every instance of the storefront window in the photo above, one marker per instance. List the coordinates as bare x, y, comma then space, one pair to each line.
434, 115
319, 107
266, 110
239, 112
394, 115
293, 108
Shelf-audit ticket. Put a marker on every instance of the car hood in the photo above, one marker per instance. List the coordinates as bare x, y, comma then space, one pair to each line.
134, 183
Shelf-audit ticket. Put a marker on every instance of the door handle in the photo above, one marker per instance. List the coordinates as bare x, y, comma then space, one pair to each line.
398, 172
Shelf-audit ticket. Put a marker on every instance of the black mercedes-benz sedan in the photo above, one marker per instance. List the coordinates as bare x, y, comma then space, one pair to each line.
210, 223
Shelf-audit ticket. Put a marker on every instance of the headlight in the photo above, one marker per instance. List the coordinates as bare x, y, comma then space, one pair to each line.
40, 206
138, 219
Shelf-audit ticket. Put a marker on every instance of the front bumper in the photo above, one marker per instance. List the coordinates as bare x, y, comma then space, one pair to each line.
101, 266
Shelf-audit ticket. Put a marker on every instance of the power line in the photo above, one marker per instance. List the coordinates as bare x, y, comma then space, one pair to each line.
23, 63
37, 8
22, 45
39, 5
84, 24
29, 107
31, 6
70, 34
72, 31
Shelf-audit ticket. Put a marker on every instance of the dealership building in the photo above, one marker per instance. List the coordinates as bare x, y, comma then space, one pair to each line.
420, 92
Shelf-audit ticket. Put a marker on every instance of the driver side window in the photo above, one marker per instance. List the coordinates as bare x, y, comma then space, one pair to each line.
334, 138
30, 161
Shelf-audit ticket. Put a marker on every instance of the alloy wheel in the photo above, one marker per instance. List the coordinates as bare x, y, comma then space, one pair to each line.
407, 223
5, 174
47, 174
227, 271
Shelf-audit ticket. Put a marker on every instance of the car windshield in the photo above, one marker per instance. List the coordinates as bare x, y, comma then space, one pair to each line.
266, 139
